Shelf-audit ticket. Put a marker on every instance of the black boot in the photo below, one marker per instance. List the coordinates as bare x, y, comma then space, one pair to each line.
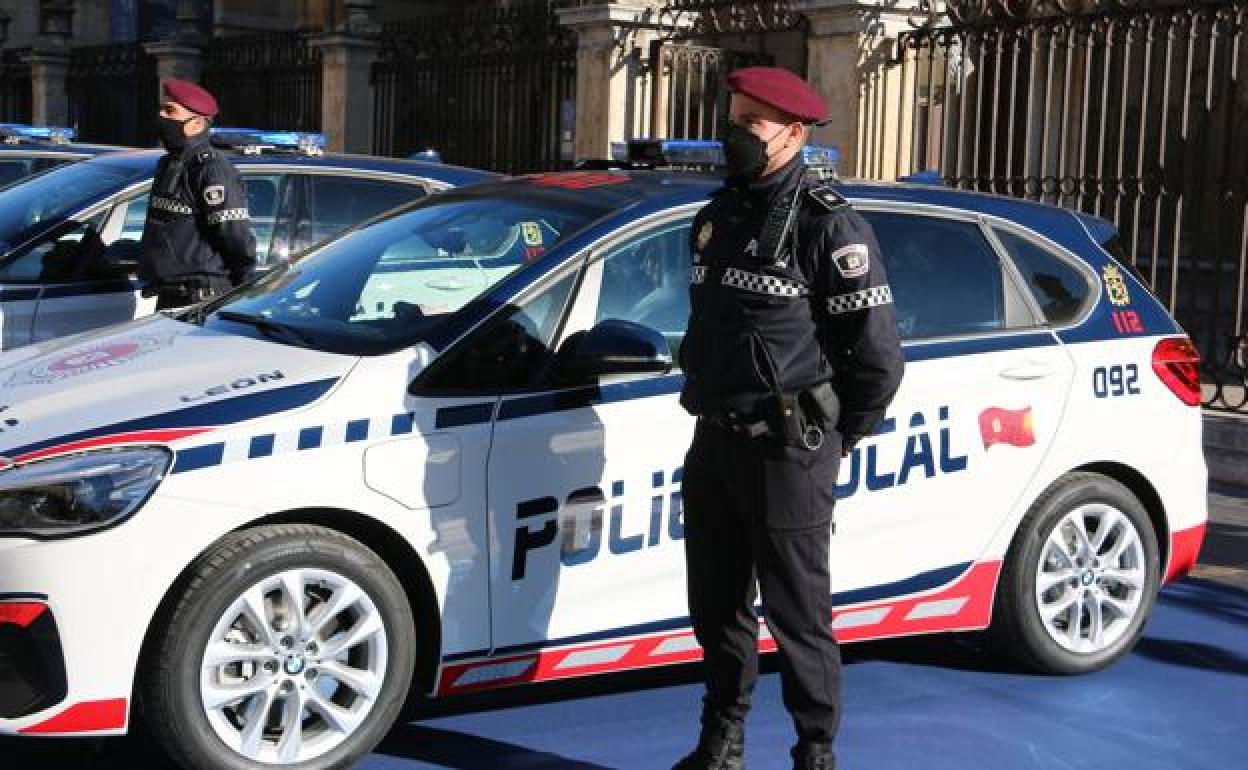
721, 745
813, 756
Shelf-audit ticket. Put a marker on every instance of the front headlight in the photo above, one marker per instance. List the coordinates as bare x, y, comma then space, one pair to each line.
79, 493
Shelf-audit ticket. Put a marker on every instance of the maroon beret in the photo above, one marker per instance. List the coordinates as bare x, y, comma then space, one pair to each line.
781, 89
191, 96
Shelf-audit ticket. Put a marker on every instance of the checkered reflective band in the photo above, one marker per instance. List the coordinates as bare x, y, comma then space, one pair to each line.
169, 204
860, 300
228, 215
763, 284
699, 274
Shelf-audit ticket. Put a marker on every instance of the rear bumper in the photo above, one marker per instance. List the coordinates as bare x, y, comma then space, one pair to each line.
1184, 550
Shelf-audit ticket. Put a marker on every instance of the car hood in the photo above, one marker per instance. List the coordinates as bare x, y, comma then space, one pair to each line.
155, 380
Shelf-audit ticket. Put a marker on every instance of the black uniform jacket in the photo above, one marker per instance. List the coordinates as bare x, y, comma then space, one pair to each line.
813, 306
198, 229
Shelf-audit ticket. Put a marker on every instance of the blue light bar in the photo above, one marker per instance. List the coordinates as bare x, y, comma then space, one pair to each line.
41, 133
676, 152
428, 155
823, 156
929, 176
302, 141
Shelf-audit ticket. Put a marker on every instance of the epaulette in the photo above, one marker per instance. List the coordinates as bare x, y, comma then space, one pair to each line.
827, 197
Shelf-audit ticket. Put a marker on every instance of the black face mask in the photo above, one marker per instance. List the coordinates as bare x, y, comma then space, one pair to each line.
171, 134
745, 153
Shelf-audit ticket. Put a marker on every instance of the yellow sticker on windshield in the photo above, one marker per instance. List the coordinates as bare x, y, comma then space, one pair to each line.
532, 233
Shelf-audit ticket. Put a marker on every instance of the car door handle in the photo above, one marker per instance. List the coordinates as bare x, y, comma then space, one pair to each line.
1027, 370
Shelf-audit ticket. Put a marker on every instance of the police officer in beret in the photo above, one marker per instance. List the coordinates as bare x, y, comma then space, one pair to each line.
197, 241
791, 357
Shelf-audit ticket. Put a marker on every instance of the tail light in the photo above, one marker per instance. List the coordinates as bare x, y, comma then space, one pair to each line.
1177, 362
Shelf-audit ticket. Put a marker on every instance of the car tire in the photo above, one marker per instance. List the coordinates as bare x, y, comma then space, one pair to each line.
1105, 574
318, 689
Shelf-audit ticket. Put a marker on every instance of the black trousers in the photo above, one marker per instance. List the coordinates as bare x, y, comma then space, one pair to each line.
759, 511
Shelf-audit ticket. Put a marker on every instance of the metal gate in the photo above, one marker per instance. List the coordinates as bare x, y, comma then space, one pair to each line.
484, 87
269, 80
15, 91
113, 94
700, 42
1132, 110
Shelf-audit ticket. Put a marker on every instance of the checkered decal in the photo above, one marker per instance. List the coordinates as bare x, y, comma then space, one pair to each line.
860, 300
699, 274
301, 439
763, 284
169, 204
228, 215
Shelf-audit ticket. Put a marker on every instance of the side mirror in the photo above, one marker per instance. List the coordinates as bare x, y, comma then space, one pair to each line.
121, 258
615, 347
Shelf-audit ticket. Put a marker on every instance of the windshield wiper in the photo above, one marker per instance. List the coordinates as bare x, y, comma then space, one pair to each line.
275, 329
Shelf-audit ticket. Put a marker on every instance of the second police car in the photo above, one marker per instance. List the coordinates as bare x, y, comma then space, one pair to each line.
58, 231
446, 449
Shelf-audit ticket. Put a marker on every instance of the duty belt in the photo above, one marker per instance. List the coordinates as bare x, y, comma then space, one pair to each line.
811, 436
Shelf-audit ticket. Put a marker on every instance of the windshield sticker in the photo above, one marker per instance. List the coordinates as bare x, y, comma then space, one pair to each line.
578, 180
532, 233
1115, 286
103, 355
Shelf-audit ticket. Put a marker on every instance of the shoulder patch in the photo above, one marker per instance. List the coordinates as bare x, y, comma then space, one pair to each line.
214, 195
852, 261
828, 198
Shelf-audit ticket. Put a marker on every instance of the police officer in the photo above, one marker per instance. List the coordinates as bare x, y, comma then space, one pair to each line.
791, 357
197, 240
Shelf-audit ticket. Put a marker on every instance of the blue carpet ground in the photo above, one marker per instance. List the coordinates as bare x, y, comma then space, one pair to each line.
1178, 702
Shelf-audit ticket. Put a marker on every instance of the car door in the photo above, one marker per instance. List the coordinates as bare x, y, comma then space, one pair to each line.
75, 292
983, 394
584, 478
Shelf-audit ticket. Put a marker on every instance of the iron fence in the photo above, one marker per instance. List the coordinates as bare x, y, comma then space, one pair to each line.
113, 94
15, 90
1135, 111
269, 80
488, 88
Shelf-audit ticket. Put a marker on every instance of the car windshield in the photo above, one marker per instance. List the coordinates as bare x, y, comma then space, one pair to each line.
30, 207
388, 285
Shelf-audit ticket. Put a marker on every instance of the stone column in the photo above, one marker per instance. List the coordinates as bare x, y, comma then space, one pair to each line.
610, 36
176, 60
347, 57
849, 60
49, 104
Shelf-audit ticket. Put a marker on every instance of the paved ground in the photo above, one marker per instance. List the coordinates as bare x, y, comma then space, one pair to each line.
1224, 557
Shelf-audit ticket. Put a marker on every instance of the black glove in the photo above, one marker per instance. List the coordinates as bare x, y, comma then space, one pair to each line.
848, 443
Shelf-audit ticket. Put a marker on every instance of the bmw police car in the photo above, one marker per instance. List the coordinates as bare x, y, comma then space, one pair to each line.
58, 274
445, 449
29, 150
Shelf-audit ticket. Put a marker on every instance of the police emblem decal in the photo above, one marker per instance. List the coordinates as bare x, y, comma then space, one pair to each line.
1116, 286
704, 235
214, 195
852, 261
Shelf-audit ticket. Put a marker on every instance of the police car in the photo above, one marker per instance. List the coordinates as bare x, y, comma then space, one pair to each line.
28, 150
446, 449
64, 262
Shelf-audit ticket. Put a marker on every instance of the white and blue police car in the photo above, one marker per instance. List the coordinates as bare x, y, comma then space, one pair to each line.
444, 451
67, 235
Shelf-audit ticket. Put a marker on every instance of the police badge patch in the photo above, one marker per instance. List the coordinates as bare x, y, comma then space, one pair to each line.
214, 195
704, 235
1115, 286
852, 260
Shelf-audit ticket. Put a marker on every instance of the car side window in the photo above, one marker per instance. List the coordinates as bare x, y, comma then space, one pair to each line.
510, 352
71, 253
1058, 287
335, 203
945, 276
646, 280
